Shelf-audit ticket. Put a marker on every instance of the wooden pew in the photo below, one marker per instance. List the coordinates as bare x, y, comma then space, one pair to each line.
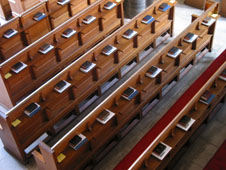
52, 15
166, 130
56, 106
20, 6
98, 135
5, 11
10, 44
40, 67
35, 27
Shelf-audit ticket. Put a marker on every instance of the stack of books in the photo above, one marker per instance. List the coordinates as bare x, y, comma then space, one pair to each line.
148, 19
18, 67
44, 49
88, 19
63, 2
207, 97
76, 142
10, 33
161, 150
129, 34
105, 116
153, 72
223, 75
108, 50
164, 7
208, 21
39, 16
32, 109
109, 5
190, 37
174, 52
87, 66
129, 93
68, 33
185, 123
61, 86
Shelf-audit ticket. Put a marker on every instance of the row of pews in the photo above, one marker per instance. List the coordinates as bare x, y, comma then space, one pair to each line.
82, 145
25, 71
180, 122
65, 96
49, 83
48, 17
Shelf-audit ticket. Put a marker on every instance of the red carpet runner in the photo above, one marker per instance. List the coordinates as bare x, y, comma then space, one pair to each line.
128, 160
218, 161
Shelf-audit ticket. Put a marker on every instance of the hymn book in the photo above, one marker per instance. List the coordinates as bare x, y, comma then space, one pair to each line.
129, 34
174, 52
9, 33
161, 150
61, 86
77, 142
148, 19
39, 16
153, 72
185, 123
88, 19
108, 50
109, 5
68, 33
207, 97
32, 109
208, 21
190, 37
164, 7
18, 67
105, 116
45, 48
87, 66
129, 93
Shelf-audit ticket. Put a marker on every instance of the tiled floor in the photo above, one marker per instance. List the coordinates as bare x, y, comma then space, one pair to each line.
202, 149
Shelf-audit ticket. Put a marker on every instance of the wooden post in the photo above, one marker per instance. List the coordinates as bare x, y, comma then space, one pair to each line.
5, 10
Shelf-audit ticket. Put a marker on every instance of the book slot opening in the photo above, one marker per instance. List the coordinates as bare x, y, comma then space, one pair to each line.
126, 68
59, 125
109, 83
168, 86
147, 108
88, 101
